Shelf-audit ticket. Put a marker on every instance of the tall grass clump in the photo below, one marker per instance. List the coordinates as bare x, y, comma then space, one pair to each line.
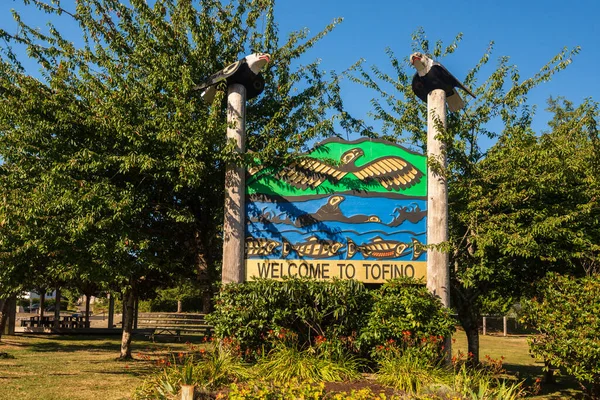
320, 363
207, 370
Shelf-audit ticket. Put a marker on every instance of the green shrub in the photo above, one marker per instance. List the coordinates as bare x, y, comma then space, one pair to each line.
310, 309
566, 316
404, 307
189, 304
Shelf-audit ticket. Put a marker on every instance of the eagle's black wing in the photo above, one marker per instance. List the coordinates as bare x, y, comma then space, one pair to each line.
221, 75
455, 82
420, 87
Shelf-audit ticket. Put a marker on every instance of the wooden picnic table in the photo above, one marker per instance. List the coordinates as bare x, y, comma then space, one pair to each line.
67, 321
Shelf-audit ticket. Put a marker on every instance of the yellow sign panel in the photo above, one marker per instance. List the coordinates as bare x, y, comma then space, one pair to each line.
378, 271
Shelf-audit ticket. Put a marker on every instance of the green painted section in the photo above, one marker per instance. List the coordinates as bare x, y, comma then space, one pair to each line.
266, 182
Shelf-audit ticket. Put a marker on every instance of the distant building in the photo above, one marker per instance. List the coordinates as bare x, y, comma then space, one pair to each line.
35, 295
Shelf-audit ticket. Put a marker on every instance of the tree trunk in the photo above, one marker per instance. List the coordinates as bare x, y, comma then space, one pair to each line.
111, 309
4, 304
206, 299
203, 274
42, 303
549, 373
469, 318
179, 306
87, 310
57, 309
472, 332
128, 315
136, 309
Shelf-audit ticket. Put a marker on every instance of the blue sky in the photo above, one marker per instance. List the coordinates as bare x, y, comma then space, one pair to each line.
530, 32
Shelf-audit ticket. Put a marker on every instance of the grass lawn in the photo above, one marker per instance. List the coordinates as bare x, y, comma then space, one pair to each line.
85, 367
69, 367
519, 363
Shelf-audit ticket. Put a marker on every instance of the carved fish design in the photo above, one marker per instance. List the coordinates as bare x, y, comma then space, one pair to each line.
260, 246
313, 247
377, 248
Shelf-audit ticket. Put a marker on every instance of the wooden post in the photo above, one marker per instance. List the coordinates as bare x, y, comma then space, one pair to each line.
438, 274
187, 392
505, 325
438, 277
235, 182
111, 310
484, 326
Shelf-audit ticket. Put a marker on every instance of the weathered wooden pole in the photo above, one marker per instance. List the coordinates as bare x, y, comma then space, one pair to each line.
235, 182
438, 274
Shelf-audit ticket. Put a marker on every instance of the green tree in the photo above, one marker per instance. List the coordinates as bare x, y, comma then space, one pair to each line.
480, 280
530, 208
566, 316
114, 163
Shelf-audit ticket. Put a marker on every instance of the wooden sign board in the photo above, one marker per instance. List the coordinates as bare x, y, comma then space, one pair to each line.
347, 210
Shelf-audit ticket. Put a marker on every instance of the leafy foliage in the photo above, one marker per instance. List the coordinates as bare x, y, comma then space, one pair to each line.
308, 308
401, 308
337, 316
566, 316
113, 167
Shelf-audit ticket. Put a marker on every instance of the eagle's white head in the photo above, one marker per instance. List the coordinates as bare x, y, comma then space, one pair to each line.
421, 62
257, 61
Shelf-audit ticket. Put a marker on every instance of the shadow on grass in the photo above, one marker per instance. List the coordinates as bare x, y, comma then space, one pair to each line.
72, 343
566, 387
130, 369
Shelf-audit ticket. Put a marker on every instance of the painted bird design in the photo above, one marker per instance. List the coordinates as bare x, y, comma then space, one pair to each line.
245, 71
432, 75
392, 172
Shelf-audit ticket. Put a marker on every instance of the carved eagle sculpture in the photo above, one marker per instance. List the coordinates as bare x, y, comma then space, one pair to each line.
433, 75
392, 172
245, 71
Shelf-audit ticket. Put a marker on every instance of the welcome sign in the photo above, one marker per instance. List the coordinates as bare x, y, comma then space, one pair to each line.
347, 210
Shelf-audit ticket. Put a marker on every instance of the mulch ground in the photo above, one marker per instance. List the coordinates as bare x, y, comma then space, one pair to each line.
338, 387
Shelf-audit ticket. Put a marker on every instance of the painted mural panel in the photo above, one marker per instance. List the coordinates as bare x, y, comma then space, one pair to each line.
348, 209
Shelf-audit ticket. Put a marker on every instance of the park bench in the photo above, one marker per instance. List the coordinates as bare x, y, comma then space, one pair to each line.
173, 324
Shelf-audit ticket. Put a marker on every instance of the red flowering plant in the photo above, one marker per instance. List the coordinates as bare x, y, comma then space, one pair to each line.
429, 348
